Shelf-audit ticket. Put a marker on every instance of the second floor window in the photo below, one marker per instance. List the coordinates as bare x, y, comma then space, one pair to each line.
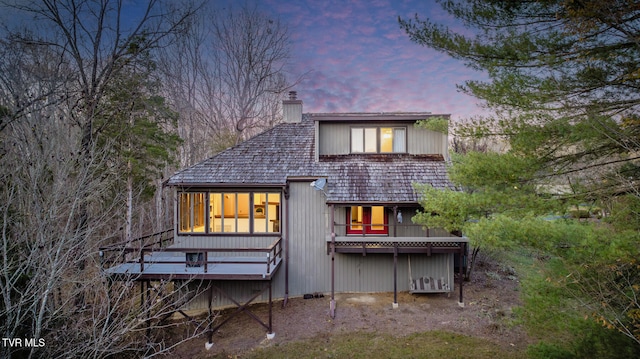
378, 140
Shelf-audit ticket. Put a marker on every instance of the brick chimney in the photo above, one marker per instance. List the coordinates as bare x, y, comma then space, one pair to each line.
292, 108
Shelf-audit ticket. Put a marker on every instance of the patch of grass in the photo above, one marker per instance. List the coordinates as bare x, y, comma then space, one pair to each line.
432, 344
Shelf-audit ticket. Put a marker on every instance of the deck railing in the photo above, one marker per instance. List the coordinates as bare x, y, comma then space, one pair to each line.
148, 252
391, 228
366, 242
123, 251
273, 254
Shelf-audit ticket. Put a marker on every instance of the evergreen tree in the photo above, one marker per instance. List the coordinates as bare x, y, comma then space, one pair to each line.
138, 129
563, 90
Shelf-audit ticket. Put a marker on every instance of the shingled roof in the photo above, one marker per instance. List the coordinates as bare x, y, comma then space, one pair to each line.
287, 151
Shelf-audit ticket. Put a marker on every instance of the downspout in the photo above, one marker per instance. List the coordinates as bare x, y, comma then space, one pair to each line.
332, 304
395, 258
286, 245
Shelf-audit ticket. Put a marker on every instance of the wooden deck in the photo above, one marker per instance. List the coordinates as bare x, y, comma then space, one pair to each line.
200, 263
155, 258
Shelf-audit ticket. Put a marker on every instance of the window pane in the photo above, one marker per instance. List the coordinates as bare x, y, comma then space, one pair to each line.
273, 212
357, 144
243, 212
370, 140
229, 206
356, 218
184, 213
260, 214
215, 213
377, 218
191, 212
399, 140
198, 212
386, 140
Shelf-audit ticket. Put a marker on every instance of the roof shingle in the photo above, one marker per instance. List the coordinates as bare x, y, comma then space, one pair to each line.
287, 150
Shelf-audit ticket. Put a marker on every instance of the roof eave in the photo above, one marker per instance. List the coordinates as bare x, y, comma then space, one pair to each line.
226, 185
384, 203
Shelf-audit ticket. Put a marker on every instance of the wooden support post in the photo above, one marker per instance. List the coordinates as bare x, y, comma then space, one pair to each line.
270, 333
463, 247
395, 275
209, 344
142, 294
147, 305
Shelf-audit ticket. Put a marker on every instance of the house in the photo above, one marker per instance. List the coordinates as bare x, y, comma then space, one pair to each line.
321, 203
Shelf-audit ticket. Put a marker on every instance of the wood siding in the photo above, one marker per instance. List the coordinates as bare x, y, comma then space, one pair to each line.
335, 138
309, 264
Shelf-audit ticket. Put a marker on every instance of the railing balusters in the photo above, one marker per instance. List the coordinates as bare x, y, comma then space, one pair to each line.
273, 254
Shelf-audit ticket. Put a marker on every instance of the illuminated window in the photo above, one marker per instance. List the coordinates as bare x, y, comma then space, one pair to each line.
367, 220
391, 140
229, 212
356, 219
191, 212
266, 213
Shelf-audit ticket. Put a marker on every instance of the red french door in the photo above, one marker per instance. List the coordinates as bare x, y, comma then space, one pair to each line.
367, 220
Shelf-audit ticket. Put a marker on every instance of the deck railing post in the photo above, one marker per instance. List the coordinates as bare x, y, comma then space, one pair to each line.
141, 260
395, 221
268, 263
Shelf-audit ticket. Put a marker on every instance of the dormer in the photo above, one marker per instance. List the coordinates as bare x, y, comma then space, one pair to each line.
378, 134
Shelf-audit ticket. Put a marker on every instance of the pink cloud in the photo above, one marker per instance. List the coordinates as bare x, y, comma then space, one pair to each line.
362, 61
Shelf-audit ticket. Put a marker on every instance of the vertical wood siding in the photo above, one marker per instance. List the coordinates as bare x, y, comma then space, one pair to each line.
335, 139
421, 141
309, 264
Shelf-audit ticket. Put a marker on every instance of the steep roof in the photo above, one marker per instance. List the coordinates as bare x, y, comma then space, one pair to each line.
287, 151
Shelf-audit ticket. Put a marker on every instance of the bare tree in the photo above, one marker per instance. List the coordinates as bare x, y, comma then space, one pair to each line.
46, 181
227, 78
60, 200
95, 41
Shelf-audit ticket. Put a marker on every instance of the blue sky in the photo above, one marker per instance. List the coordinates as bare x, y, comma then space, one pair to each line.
360, 59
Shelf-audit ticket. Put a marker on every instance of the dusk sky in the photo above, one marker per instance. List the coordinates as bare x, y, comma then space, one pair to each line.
361, 61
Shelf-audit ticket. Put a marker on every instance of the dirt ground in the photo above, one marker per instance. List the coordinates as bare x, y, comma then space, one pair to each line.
489, 300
